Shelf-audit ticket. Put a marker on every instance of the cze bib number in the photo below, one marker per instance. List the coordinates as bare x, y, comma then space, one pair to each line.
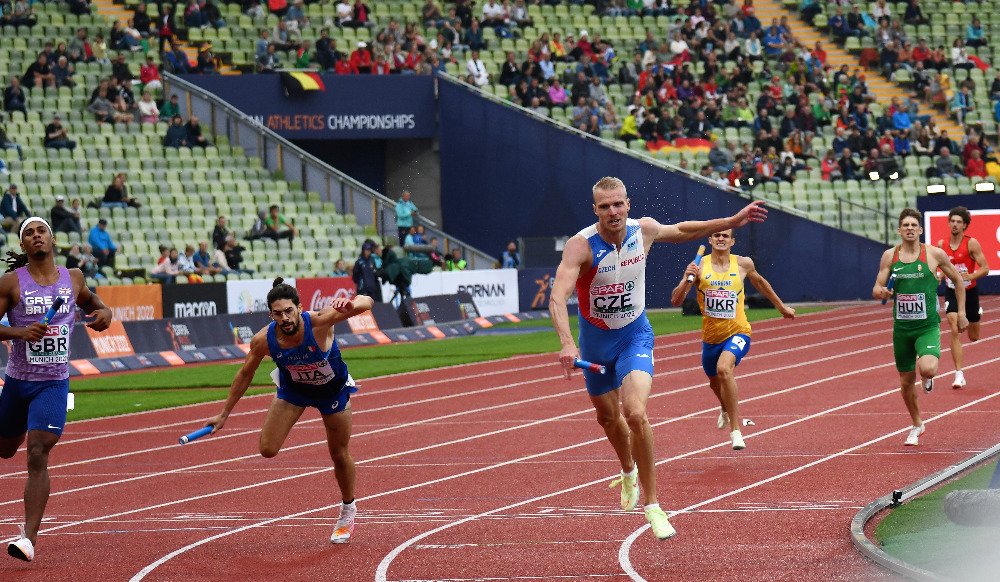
721, 303
315, 374
962, 269
53, 348
911, 306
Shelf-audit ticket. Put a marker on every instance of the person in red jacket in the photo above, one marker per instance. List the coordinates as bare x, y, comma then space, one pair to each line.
975, 167
361, 59
149, 74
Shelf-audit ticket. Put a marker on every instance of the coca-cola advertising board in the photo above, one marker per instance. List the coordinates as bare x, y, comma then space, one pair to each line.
318, 293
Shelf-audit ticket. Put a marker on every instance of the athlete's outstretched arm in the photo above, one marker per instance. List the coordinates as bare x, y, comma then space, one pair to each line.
243, 378
342, 309
761, 284
681, 290
576, 254
694, 229
949, 270
880, 291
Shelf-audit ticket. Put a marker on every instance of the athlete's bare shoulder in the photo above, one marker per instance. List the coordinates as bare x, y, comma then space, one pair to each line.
577, 250
258, 343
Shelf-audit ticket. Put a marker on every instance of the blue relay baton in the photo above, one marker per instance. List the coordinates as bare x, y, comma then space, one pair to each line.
889, 284
195, 435
585, 365
697, 260
52, 310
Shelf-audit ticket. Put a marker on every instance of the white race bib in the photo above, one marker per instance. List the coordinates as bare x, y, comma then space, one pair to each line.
53, 348
315, 374
911, 306
721, 303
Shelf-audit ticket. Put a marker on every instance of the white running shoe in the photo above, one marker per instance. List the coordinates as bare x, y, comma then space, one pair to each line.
913, 439
21, 548
737, 438
959, 381
928, 385
723, 421
345, 525
630, 488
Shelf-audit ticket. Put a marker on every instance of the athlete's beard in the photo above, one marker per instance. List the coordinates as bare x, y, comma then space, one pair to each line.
295, 327
39, 254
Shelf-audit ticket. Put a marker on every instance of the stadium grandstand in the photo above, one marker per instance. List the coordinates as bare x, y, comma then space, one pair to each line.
812, 105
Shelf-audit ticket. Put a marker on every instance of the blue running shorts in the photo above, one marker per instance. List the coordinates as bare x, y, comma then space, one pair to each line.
620, 351
738, 344
32, 405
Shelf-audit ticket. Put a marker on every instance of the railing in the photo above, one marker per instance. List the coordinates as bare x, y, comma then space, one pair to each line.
621, 147
879, 216
278, 154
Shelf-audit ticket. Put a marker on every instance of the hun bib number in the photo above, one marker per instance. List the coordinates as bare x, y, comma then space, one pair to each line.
316, 374
53, 348
962, 269
721, 303
911, 306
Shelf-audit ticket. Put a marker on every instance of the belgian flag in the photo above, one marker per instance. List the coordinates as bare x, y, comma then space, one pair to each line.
300, 84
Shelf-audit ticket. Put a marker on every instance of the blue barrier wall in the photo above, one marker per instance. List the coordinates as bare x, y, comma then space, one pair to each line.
504, 175
350, 107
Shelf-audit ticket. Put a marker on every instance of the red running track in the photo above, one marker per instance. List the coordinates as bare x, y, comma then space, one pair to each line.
498, 471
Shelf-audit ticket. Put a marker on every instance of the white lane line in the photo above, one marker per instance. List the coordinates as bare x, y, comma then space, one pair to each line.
383, 567
624, 559
426, 421
228, 435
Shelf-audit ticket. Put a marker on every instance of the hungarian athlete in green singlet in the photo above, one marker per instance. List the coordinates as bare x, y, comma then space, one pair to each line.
916, 335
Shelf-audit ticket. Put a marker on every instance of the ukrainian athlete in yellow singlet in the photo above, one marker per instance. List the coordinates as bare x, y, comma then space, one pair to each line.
725, 329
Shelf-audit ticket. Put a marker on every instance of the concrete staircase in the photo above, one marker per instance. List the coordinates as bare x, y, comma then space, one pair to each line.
883, 89
114, 11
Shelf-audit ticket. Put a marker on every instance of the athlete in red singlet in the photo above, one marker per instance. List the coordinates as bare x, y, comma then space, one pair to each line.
967, 255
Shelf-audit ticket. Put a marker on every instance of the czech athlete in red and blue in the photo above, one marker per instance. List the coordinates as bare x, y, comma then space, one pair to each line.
614, 330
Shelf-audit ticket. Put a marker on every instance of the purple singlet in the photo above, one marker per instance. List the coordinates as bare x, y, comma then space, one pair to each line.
48, 358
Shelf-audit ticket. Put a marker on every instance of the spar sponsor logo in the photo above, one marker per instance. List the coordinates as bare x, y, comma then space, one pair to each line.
613, 298
195, 309
319, 300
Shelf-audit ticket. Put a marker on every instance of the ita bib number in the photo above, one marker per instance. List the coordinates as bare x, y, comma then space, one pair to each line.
315, 374
911, 306
53, 348
962, 269
721, 303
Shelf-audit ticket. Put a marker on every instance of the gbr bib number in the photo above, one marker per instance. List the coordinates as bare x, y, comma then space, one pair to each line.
911, 306
721, 303
316, 374
53, 348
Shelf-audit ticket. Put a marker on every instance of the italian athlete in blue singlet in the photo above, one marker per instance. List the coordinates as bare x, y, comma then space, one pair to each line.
606, 265
310, 373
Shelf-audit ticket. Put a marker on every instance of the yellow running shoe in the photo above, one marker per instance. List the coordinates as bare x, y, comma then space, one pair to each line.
658, 522
630, 488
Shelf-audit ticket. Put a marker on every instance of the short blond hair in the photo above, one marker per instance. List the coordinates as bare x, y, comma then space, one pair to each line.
609, 183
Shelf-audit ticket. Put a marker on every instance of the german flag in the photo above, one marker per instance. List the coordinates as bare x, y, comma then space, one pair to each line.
299, 84
681, 144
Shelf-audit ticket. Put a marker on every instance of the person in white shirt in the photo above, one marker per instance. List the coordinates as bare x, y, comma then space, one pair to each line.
493, 14
477, 69
148, 111
344, 12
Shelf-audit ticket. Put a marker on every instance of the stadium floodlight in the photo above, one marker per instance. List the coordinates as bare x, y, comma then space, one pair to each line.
936, 189
873, 175
986, 187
